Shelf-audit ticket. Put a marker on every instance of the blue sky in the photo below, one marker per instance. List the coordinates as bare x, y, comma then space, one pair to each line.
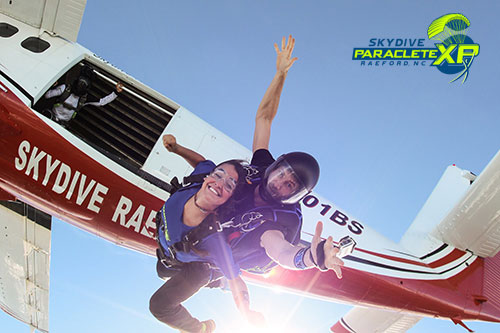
382, 135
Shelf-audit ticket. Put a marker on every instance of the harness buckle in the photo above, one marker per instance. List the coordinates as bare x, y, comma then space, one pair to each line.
185, 244
172, 252
168, 262
218, 226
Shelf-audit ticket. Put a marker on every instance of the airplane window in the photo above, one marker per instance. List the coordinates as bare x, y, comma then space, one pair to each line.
35, 44
7, 30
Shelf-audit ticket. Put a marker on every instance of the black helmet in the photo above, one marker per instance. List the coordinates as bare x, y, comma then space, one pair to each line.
82, 85
291, 177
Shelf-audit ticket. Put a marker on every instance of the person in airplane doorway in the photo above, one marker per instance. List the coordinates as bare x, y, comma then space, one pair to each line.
191, 211
70, 98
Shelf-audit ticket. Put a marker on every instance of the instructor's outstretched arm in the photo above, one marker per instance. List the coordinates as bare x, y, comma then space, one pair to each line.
269, 105
286, 254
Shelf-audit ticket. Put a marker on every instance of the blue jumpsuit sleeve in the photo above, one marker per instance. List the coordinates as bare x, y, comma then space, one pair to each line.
203, 167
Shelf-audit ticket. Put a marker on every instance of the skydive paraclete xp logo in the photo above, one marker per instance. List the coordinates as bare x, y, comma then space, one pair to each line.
454, 54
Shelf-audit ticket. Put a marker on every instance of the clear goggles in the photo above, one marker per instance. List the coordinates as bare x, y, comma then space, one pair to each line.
229, 183
284, 186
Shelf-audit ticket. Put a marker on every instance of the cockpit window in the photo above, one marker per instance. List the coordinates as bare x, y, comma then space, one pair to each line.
35, 44
7, 30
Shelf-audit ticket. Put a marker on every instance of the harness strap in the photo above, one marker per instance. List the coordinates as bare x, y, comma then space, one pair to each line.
65, 94
81, 102
175, 185
198, 178
187, 181
68, 106
169, 261
62, 100
207, 227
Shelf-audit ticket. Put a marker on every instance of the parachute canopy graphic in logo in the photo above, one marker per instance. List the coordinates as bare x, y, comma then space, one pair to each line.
457, 49
448, 28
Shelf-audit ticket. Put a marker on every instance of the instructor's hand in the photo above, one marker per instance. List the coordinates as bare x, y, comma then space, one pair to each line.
331, 260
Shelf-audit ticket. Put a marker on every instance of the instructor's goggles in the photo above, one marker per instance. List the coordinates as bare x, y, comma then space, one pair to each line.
284, 185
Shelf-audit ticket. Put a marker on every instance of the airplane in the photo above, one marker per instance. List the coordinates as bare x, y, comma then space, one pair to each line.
107, 173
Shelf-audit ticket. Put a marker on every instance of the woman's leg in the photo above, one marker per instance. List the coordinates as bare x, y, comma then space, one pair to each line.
165, 304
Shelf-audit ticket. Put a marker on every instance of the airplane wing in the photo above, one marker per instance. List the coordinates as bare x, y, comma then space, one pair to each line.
25, 263
361, 319
60, 17
474, 222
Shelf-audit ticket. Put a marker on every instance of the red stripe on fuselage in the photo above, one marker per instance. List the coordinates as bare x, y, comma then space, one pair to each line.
442, 298
339, 328
450, 257
398, 259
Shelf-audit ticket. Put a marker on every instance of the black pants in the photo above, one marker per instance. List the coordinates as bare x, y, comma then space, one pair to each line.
165, 304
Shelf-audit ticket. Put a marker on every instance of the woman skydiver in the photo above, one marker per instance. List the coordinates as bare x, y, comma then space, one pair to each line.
183, 268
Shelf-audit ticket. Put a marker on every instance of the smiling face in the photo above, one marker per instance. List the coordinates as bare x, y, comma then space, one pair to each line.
218, 187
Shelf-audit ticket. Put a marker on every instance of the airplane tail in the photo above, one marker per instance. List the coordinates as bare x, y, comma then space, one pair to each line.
463, 211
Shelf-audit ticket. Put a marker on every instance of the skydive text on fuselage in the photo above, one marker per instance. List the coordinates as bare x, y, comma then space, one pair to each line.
71, 183
123, 214
75, 186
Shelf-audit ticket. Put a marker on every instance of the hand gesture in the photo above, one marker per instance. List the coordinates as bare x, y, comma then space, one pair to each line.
119, 87
170, 143
331, 260
284, 57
